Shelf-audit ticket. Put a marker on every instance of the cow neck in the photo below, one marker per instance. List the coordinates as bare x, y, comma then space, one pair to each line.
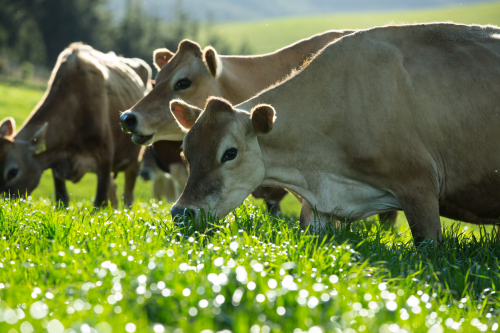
286, 148
245, 76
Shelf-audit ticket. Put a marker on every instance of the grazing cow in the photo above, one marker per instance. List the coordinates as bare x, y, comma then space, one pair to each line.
397, 117
163, 164
193, 75
75, 129
163, 184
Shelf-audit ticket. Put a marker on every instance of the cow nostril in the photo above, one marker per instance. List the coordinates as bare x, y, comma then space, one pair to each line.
129, 121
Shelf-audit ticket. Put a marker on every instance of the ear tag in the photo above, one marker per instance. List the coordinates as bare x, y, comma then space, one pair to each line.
41, 146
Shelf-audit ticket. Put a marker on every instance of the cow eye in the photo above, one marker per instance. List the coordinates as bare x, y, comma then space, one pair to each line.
183, 84
229, 154
12, 173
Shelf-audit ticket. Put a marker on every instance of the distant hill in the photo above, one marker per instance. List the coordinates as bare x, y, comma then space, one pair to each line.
241, 10
268, 35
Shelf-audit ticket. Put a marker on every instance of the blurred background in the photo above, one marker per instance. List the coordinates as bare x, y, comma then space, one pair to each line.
34, 32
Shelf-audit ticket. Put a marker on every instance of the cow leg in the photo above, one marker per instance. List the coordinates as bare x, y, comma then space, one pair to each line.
273, 207
179, 174
112, 193
103, 185
130, 177
307, 217
170, 189
62, 196
158, 188
422, 213
388, 220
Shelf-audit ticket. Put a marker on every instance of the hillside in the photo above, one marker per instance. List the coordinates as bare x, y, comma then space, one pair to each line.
237, 10
268, 35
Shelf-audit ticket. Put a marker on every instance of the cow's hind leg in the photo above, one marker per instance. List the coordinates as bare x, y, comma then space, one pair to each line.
112, 193
62, 196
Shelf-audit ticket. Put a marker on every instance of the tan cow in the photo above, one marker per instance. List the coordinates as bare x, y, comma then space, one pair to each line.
75, 129
397, 117
193, 75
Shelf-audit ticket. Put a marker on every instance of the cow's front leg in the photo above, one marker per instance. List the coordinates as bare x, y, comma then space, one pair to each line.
130, 178
309, 218
422, 212
103, 185
62, 196
388, 220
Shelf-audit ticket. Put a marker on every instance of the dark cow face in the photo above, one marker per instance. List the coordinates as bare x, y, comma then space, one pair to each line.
190, 74
19, 172
223, 154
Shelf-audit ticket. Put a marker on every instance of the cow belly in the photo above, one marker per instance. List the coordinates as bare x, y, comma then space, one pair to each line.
477, 202
355, 200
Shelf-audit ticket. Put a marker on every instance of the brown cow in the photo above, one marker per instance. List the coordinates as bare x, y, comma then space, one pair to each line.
401, 117
162, 158
156, 171
75, 129
193, 75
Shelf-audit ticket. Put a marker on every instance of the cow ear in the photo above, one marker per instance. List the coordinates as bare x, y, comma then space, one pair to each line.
184, 113
263, 117
37, 141
161, 57
7, 126
212, 61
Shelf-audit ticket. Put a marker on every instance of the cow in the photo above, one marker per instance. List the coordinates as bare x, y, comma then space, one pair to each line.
193, 75
163, 164
163, 184
75, 128
390, 118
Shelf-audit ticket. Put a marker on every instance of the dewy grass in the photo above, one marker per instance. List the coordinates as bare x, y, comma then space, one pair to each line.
79, 270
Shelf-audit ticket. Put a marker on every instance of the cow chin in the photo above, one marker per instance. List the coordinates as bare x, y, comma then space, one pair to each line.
144, 140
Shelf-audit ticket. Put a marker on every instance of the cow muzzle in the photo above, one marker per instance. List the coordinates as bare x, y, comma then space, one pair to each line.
129, 124
180, 214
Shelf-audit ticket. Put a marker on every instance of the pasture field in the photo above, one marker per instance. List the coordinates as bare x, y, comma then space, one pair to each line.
270, 34
79, 270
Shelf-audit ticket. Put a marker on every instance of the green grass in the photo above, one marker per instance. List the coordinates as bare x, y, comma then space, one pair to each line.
270, 34
75, 270
80, 270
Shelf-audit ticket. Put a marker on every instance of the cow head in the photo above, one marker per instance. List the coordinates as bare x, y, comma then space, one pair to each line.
223, 153
19, 173
191, 74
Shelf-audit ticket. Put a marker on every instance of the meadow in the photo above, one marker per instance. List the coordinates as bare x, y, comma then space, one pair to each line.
81, 270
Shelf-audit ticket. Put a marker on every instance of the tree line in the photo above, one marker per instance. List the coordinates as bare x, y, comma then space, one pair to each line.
36, 31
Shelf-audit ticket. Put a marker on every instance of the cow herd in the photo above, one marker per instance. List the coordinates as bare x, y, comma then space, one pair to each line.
353, 123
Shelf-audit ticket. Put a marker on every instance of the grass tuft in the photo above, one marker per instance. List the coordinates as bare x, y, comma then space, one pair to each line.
134, 270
